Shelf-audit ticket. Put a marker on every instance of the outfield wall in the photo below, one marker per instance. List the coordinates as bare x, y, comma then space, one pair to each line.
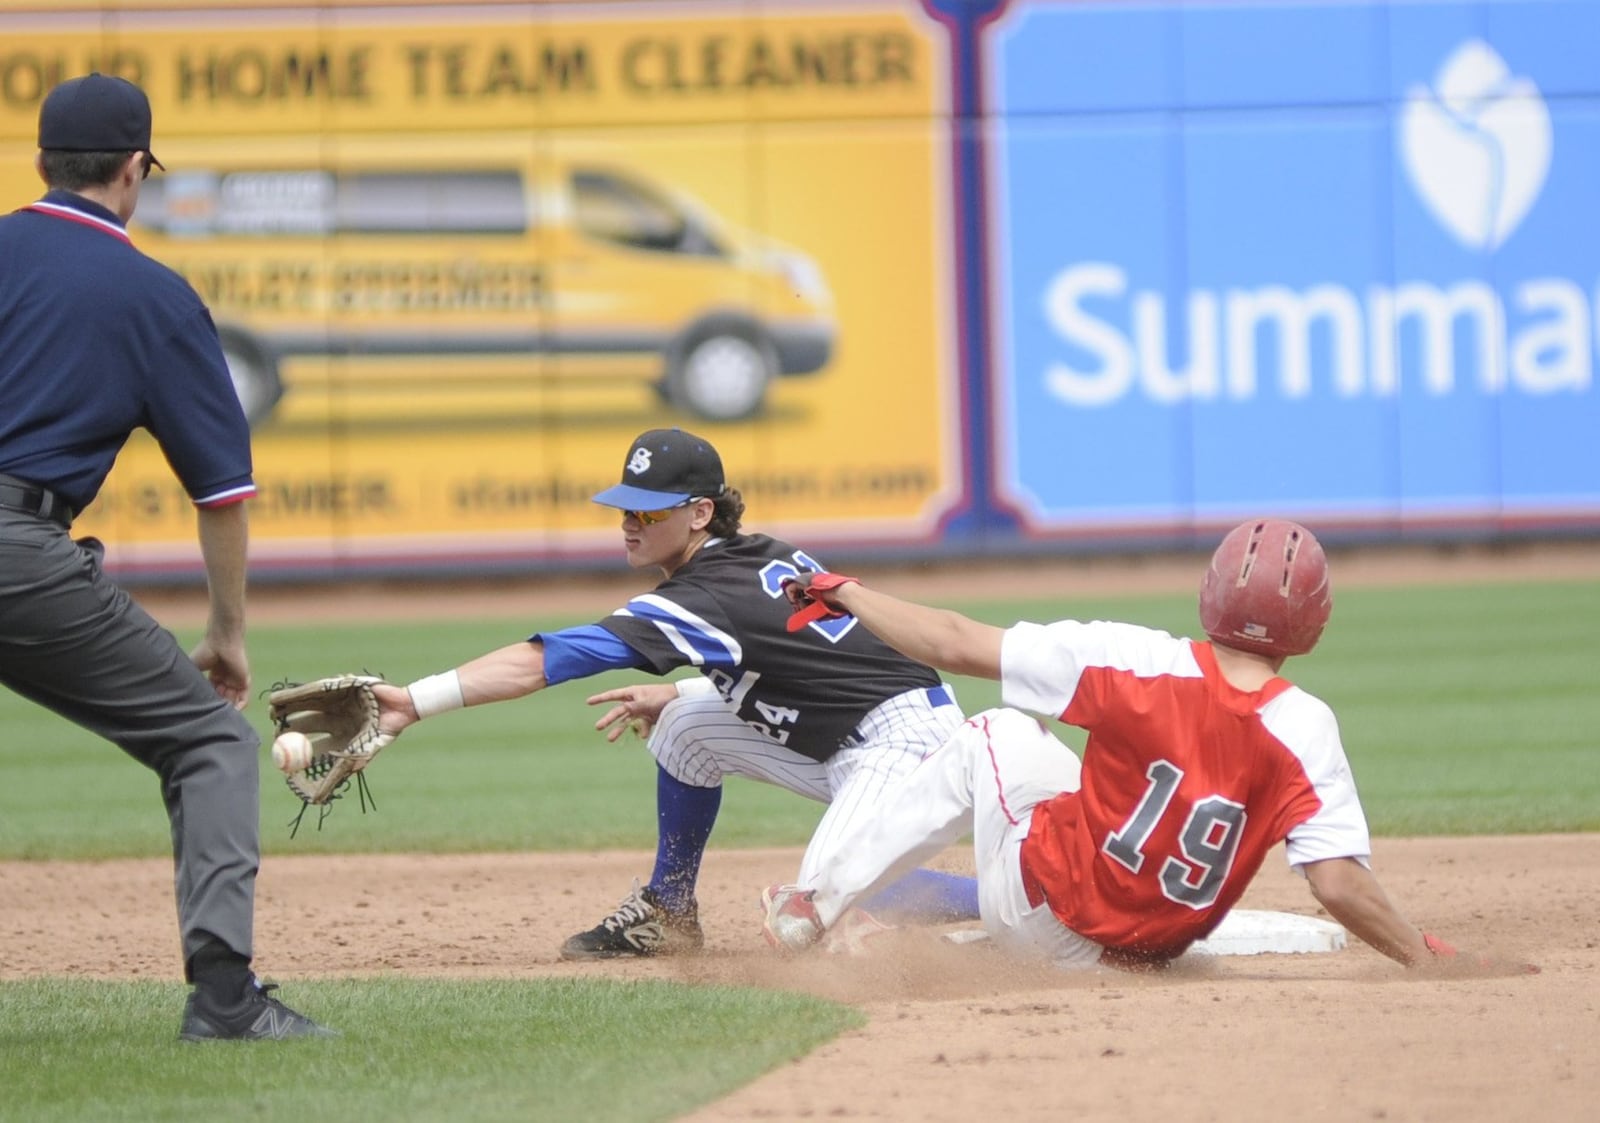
945, 277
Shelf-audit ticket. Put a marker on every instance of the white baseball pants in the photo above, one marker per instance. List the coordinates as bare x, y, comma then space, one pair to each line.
699, 740
985, 782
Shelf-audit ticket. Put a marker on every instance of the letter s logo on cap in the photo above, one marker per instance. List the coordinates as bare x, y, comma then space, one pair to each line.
639, 462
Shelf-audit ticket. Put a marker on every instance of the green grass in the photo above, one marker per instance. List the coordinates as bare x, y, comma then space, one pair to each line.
1468, 710
1465, 710
411, 1050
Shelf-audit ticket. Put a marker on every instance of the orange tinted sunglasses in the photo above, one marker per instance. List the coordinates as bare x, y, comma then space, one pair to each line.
650, 518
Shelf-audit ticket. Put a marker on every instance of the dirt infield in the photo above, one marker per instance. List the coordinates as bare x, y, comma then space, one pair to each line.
954, 1034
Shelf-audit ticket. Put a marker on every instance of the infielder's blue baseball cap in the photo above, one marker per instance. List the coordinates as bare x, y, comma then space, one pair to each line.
96, 113
666, 467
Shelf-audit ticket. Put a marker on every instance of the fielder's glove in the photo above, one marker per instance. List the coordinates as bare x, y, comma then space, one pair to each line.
807, 592
340, 716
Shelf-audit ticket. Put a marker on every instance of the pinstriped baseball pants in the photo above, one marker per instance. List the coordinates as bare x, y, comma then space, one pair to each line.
985, 782
699, 741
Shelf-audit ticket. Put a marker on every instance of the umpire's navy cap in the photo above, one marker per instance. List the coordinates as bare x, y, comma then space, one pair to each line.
96, 113
666, 467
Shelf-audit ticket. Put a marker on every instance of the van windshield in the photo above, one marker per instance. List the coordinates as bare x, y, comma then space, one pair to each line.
615, 209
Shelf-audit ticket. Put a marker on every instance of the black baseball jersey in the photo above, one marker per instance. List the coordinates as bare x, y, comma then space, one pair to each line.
724, 613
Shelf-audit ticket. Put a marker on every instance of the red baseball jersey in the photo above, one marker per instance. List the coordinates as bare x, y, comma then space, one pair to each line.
1187, 782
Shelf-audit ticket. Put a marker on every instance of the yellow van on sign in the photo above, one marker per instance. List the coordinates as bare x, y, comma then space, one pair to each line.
370, 253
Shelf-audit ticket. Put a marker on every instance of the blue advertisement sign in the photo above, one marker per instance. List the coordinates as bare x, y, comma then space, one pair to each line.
1330, 259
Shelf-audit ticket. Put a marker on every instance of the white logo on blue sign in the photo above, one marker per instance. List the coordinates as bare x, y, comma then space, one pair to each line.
1476, 145
1356, 258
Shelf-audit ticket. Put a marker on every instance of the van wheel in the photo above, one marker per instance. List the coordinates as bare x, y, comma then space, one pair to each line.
720, 371
254, 372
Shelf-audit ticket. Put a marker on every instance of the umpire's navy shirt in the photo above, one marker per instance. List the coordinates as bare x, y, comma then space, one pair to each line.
97, 340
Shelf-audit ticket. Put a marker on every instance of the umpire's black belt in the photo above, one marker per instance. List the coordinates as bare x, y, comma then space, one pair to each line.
31, 499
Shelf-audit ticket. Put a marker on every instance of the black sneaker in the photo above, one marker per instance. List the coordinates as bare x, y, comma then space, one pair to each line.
257, 1017
639, 927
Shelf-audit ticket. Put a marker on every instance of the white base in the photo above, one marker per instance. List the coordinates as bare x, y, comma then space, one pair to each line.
966, 936
1242, 932
1252, 932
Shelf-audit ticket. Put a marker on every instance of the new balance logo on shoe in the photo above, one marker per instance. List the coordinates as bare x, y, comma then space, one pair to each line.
276, 1023
257, 1016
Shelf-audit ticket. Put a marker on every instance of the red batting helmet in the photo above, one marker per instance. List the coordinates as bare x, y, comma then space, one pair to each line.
1266, 589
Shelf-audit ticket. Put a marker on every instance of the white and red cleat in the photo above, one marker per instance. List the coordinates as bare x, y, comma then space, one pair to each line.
791, 923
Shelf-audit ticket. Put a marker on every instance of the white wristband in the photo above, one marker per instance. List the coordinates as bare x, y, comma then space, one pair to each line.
696, 687
436, 694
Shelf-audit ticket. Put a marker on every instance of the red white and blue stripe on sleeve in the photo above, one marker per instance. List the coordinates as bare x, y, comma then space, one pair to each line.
226, 496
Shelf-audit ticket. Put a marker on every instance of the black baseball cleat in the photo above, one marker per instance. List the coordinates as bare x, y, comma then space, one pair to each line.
257, 1016
640, 927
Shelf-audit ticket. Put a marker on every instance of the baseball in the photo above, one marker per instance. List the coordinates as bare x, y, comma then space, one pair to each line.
291, 751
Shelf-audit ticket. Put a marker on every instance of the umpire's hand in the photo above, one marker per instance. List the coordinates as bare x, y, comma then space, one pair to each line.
225, 663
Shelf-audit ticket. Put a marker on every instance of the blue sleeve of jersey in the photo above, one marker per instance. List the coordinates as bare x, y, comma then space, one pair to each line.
193, 411
583, 651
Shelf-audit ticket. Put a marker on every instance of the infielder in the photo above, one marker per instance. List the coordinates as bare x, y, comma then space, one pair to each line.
97, 340
1199, 759
829, 712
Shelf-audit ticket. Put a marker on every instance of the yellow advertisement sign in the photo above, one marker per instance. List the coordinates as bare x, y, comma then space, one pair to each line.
460, 255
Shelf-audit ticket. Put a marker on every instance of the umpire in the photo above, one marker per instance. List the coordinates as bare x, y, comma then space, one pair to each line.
97, 340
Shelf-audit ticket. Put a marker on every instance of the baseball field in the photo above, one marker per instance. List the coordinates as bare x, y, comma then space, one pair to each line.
426, 929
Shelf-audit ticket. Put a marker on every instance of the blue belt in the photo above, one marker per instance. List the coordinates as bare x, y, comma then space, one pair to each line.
940, 696
937, 696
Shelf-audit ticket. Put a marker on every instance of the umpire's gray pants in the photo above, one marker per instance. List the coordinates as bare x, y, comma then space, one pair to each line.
74, 642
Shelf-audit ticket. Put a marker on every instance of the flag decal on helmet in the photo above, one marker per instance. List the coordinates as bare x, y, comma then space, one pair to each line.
1266, 589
